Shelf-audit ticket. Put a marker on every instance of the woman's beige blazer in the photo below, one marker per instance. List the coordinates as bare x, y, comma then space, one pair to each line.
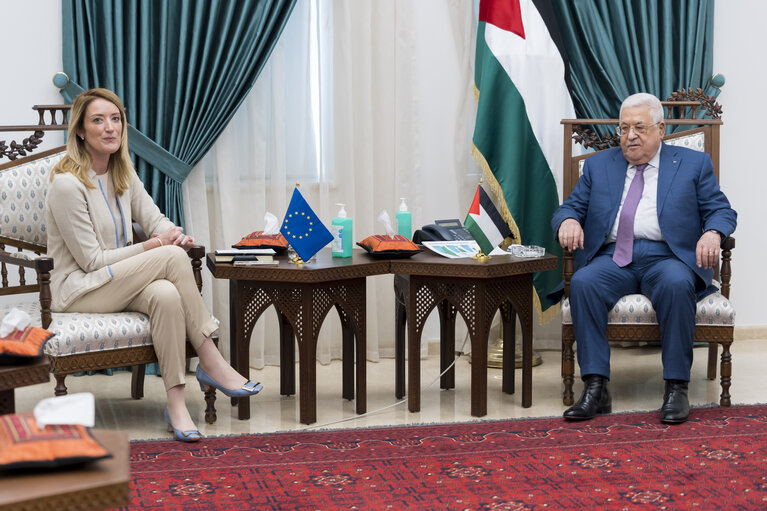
82, 236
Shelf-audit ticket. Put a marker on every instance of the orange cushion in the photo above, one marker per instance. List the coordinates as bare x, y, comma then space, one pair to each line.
393, 247
24, 445
257, 239
23, 343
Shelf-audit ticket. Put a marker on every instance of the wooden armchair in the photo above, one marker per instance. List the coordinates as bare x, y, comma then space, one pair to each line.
83, 342
633, 317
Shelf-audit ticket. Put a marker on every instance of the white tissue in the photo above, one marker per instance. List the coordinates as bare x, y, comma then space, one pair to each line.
386, 221
70, 409
271, 224
15, 319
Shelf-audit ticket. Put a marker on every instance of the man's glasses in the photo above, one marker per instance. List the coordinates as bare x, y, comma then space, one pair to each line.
639, 129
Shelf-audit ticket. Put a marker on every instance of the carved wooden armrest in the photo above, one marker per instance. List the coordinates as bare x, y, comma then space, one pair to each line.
725, 270
196, 254
568, 265
43, 266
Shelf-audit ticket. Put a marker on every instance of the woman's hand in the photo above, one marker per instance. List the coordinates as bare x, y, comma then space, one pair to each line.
184, 241
173, 236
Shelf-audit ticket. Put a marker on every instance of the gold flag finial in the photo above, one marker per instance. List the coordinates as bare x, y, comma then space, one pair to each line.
298, 185
480, 180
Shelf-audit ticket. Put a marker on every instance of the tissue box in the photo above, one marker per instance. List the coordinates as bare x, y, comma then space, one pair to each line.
257, 239
26, 343
24, 445
389, 247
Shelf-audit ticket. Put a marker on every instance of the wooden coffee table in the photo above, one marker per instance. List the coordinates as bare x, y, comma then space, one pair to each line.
98, 485
303, 296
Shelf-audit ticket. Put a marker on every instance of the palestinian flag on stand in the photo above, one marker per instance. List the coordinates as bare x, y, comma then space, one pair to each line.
485, 223
520, 79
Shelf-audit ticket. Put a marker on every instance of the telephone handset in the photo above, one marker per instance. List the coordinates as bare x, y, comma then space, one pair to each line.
443, 230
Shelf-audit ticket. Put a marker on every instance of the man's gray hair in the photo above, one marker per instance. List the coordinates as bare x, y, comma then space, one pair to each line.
648, 100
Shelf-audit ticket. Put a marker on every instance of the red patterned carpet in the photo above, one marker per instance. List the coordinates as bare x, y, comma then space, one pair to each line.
717, 460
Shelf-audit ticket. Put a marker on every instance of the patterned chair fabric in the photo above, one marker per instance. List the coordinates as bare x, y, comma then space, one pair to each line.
714, 309
83, 333
22, 199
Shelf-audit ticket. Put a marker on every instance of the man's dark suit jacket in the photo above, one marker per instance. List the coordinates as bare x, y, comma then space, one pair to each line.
689, 203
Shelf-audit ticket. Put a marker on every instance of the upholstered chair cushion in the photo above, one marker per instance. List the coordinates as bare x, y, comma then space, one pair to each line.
714, 309
82, 333
22, 199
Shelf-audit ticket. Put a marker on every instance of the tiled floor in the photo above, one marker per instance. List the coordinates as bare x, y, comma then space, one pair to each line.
636, 385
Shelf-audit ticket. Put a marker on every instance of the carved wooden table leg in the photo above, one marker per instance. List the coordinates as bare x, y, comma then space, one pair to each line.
347, 354
447, 315
401, 294
520, 292
287, 357
508, 318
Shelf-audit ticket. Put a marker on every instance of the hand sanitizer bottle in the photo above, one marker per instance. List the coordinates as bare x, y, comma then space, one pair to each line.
403, 220
341, 226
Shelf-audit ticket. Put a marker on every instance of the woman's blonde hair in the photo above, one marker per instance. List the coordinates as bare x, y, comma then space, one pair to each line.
78, 160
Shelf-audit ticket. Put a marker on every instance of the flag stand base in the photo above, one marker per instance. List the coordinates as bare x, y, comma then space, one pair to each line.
495, 356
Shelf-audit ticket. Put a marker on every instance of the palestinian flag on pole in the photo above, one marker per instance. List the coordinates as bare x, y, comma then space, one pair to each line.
485, 223
520, 79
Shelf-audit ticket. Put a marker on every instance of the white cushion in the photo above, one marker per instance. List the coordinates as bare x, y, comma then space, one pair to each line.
22, 199
714, 309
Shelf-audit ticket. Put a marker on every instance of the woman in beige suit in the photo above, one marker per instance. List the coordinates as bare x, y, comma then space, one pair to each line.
94, 195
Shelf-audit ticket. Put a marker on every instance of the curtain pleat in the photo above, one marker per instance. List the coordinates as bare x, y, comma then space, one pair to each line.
616, 48
181, 68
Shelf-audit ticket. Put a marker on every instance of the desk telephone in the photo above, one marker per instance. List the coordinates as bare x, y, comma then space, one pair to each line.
442, 230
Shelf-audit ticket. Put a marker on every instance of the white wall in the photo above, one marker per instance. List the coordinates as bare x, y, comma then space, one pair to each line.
32, 45
739, 51
31, 49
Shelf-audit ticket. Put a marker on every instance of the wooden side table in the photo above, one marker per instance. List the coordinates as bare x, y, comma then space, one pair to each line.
476, 291
99, 485
303, 296
25, 372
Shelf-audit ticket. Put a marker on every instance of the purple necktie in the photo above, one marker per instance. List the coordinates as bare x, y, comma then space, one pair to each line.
624, 241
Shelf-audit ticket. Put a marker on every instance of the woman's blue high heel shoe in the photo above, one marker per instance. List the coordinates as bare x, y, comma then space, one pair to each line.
249, 389
192, 435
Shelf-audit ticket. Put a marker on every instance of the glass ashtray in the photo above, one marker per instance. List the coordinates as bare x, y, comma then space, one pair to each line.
526, 250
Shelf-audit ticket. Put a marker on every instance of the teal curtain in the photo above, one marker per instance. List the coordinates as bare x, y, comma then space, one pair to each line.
181, 67
616, 48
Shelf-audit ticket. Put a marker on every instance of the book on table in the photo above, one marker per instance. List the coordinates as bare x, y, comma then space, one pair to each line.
254, 260
252, 255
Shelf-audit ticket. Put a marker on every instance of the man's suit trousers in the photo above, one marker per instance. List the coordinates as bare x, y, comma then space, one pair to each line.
654, 272
159, 283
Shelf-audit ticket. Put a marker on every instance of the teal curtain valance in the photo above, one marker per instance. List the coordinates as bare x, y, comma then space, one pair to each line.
182, 68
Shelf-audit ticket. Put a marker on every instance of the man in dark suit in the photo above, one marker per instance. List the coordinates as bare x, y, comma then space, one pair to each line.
646, 218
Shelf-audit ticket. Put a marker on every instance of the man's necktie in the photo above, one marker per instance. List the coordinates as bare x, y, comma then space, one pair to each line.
624, 241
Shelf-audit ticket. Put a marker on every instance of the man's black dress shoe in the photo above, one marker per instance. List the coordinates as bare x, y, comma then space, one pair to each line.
594, 401
676, 407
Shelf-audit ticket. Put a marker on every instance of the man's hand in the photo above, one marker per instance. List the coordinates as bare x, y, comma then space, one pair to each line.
570, 234
707, 250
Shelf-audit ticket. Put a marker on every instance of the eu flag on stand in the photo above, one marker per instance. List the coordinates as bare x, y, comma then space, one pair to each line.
303, 230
